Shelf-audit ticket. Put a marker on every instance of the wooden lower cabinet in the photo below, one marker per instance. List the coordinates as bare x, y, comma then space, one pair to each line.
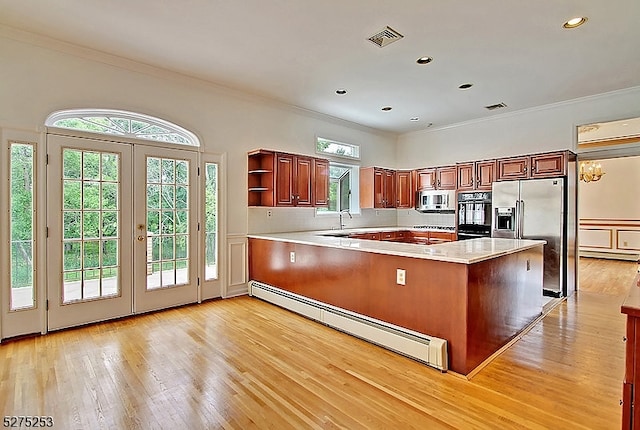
408, 236
631, 383
476, 307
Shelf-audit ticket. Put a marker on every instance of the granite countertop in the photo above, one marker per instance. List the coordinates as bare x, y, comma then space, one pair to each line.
464, 251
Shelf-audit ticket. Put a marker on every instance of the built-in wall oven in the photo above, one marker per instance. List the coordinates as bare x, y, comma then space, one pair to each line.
474, 215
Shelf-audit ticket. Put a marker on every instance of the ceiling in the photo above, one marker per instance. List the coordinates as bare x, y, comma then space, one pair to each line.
301, 51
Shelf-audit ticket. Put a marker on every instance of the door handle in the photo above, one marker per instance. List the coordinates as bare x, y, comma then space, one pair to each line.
140, 238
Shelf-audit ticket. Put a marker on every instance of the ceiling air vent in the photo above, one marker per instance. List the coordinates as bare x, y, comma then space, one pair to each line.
385, 36
496, 106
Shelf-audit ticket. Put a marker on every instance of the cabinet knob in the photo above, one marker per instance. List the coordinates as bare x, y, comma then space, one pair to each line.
624, 338
524, 170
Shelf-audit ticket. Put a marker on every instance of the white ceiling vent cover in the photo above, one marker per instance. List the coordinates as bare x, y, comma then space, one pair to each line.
385, 36
496, 106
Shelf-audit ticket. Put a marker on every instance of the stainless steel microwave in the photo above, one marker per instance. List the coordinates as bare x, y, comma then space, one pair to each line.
436, 201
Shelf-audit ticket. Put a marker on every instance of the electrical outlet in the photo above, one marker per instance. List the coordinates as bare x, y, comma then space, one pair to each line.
269, 214
292, 256
624, 243
401, 276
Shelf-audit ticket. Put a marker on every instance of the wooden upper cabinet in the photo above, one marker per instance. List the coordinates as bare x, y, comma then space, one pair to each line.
426, 179
285, 195
478, 175
532, 166
466, 176
404, 189
303, 184
437, 178
281, 179
377, 188
320, 182
261, 178
389, 196
485, 174
513, 168
446, 178
548, 165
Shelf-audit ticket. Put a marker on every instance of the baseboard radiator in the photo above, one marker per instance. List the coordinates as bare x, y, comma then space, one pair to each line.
429, 350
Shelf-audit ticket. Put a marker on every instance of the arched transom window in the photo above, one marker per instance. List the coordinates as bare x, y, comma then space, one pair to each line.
122, 123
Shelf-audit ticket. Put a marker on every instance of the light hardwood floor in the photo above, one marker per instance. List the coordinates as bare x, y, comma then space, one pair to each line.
242, 363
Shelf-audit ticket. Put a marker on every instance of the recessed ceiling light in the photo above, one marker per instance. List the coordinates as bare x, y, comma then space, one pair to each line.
575, 22
341, 91
415, 118
424, 60
387, 108
465, 86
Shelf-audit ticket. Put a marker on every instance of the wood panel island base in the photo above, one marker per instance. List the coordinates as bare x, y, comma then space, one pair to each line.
476, 294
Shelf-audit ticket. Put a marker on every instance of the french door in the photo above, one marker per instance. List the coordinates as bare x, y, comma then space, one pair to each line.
166, 228
121, 224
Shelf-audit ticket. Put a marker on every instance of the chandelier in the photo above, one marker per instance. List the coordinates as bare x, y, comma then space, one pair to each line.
590, 171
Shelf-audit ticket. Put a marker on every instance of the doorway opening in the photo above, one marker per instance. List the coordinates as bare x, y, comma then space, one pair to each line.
608, 209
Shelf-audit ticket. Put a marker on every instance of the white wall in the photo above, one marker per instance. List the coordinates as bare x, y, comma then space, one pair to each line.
615, 196
546, 128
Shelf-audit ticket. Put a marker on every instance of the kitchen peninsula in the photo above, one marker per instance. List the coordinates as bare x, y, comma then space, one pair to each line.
475, 294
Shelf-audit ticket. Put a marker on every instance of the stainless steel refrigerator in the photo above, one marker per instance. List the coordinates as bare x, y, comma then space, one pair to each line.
540, 209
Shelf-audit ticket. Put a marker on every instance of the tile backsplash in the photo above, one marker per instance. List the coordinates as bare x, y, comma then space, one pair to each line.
276, 220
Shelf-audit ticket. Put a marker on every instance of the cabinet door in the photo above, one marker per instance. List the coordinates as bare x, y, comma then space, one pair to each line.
485, 174
302, 181
378, 188
426, 179
389, 189
285, 194
466, 176
446, 178
548, 165
320, 182
404, 190
513, 168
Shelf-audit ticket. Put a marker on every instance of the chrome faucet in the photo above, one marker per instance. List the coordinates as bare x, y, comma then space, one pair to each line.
341, 221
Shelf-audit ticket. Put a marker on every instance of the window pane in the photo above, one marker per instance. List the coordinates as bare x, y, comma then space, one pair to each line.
182, 172
91, 231
110, 167
153, 170
71, 194
91, 195
109, 224
109, 196
21, 226
91, 165
326, 146
211, 218
168, 171
71, 164
168, 226
72, 256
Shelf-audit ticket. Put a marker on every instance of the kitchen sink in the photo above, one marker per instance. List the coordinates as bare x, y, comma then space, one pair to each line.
336, 234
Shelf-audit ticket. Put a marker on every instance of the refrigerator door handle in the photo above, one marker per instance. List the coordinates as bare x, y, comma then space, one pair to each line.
521, 220
516, 220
